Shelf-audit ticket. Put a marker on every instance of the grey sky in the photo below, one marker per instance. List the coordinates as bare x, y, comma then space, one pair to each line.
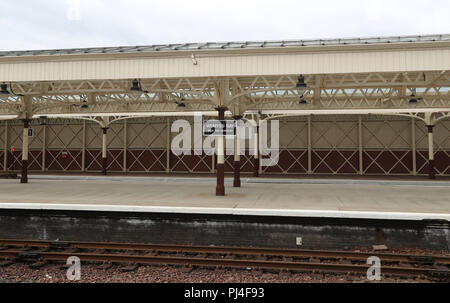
49, 24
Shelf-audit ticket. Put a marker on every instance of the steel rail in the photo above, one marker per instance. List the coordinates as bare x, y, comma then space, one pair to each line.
190, 261
294, 253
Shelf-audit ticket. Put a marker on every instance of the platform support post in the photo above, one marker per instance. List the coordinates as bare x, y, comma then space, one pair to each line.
5, 148
44, 145
413, 146
220, 167
125, 145
168, 143
26, 126
256, 152
309, 146
104, 152
431, 171
237, 154
83, 148
360, 146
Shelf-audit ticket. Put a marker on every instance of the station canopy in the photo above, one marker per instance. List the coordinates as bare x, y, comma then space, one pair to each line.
407, 75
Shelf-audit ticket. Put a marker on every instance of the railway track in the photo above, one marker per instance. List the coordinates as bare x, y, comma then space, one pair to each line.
226, 257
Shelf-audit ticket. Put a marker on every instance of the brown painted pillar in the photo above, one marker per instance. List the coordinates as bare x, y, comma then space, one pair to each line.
237, 156
431, 171
104, 152
220, 166
256, 154
26, 126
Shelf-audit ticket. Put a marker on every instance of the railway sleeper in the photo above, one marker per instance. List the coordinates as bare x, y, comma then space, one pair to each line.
25, 256
422, 259
59, 245
129, 268
440, 272
38, 264
105, 266
6, 263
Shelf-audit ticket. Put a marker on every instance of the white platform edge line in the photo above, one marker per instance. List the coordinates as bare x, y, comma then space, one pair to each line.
229, 211
248, 180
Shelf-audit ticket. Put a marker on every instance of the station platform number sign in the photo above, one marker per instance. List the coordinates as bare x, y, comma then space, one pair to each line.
219, 128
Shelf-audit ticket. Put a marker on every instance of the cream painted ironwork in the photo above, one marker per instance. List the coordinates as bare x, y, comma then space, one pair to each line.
401, 78
347, 91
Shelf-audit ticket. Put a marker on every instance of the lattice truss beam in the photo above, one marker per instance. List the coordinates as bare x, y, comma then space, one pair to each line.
345, 91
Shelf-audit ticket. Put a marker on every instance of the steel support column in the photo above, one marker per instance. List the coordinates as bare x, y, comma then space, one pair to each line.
83, 148
125, 145
220, 188
413, 146
256, 153
169, 139
44, 145
5, 148
431, 171
237, 155
104, 152
309, 146
360, 146
26, 126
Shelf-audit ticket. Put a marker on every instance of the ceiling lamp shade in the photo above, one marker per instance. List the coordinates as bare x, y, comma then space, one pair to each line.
85, 105
4, 89
413, 99
301, 83
136, 87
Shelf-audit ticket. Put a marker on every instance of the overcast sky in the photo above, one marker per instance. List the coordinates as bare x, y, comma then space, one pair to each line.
50, 24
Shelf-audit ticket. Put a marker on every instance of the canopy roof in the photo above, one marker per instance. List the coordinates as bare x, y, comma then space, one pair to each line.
229, 45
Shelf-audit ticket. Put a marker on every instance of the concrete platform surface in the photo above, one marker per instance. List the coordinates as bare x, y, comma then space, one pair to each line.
371, 199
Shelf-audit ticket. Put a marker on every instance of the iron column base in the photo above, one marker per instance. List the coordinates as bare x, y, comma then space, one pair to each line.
24, 178
237, 174
220, 188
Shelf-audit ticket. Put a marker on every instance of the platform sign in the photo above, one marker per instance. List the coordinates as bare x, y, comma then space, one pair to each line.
30, 132
219, 128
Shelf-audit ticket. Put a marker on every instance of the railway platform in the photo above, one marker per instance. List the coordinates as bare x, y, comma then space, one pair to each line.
266, 212
325, 198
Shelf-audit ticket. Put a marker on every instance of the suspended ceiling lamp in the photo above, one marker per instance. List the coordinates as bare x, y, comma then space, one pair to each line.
301, 86
4, 89
136, 87
301, 83
85, 105
413, 99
